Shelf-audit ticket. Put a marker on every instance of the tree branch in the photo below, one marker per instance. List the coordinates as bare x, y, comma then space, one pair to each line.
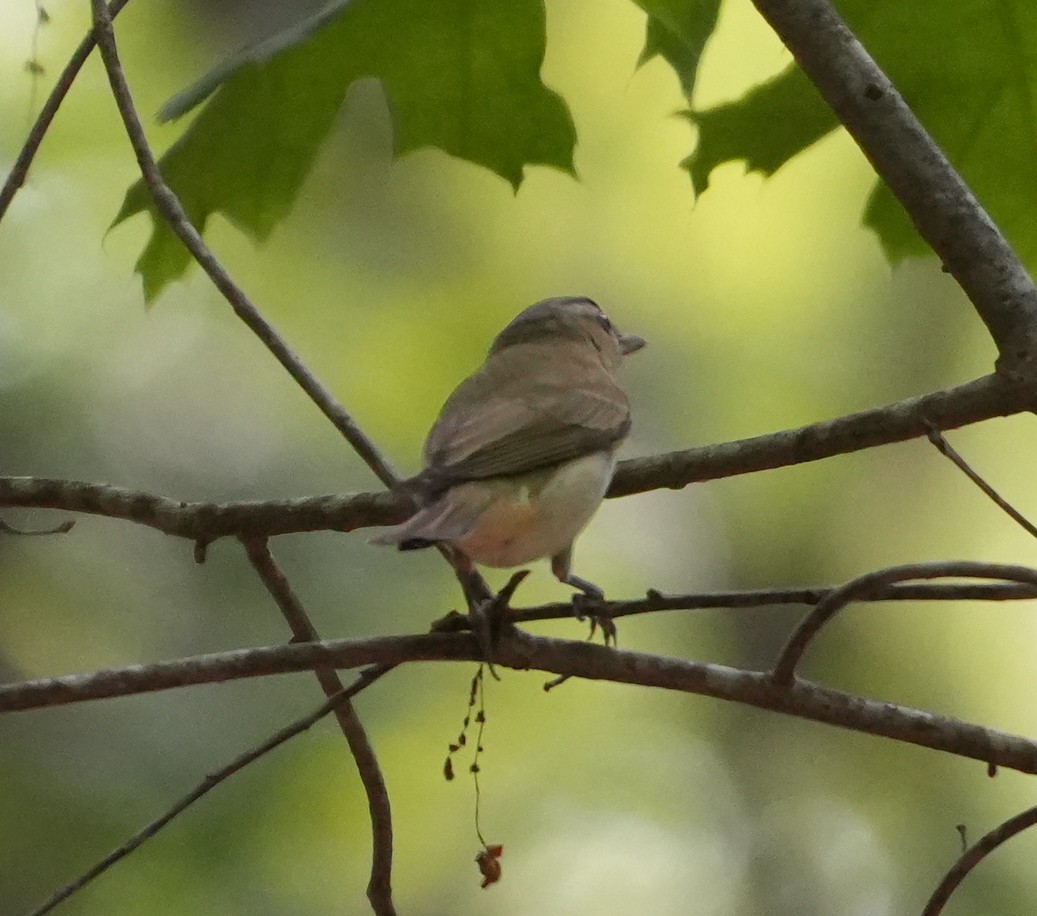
655, 601
522, 651
379, 888
944, 447
169, 206
861, 588
203, 788
982, 399
940, 204
974, 855
206, 522
20, 170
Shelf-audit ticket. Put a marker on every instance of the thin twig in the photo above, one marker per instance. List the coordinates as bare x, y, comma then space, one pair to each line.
656, 602
379, 889
972, 857
20, 170
864, 586
171, 209
203, 788
945, 448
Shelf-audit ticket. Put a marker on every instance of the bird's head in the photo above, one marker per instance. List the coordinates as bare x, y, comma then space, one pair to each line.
574, 318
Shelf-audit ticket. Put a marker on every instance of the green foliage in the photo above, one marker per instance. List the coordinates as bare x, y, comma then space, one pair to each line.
461, 75
677, 31
766, 127
967, 69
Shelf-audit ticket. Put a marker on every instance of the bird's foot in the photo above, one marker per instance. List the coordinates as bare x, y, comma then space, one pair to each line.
590, 604
486, 616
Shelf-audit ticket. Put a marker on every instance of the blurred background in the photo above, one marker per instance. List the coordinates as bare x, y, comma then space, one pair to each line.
765, 305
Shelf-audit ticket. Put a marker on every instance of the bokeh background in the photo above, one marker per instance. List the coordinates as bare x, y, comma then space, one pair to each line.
766, 306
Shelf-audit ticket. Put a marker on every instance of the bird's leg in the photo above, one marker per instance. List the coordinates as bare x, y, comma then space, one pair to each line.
588, 604
485, 610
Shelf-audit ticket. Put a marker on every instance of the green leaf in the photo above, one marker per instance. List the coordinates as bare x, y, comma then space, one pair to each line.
766, 127
262, 50
967, 68
974, 87
677, 31
461, 75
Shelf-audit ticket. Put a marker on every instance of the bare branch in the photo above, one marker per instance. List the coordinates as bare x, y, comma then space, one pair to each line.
522, 651
234, 664
203, 788
379, 889
972, 857
169, 206
863, 587
205, 522
940, 204
944, 447
64, 528
655, 601
982, 399
20, 169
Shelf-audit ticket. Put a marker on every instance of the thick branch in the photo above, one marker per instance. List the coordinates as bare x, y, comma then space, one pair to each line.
940, 204
982, 399
206, 522
522, 651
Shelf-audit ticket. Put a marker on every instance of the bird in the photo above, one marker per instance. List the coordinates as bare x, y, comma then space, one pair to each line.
524, 449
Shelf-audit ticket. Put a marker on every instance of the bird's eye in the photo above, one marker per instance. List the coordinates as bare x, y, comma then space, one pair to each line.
603, 320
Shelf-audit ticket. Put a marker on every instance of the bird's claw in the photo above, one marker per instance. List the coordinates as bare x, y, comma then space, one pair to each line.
590, 605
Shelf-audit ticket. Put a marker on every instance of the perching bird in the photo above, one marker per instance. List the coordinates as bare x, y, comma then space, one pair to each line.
523, 450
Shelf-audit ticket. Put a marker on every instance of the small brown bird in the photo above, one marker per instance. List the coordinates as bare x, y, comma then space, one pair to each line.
523, 450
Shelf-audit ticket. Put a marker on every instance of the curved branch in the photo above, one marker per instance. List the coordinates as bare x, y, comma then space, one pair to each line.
940, 204
862, 588
523, 651
62, 528
379, 888
974, 855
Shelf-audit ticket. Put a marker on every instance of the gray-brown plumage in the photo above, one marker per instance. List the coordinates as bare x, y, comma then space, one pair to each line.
523, 450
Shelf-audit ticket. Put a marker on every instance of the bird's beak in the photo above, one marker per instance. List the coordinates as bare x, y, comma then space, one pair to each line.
630, 343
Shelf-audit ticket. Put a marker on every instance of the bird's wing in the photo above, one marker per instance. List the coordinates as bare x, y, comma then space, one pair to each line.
494, 430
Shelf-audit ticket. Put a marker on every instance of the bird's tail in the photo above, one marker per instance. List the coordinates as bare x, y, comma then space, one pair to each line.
445, 520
